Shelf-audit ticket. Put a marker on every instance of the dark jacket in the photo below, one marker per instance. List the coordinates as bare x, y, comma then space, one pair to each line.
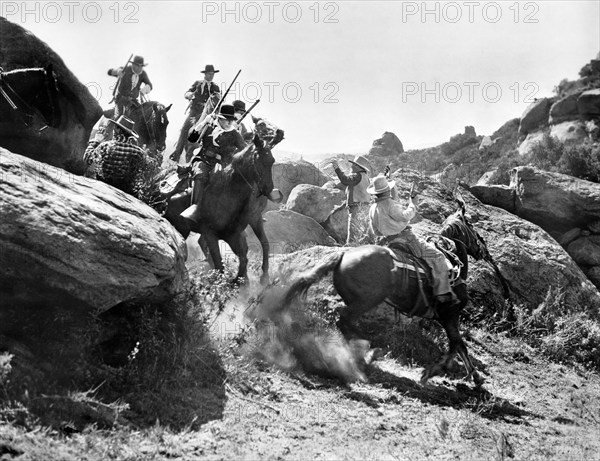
202, 91
356, 186
229, 142
124, 90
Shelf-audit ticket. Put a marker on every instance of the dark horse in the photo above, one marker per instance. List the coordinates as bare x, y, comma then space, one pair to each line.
366, 276
234, 199
151, 122
27, 93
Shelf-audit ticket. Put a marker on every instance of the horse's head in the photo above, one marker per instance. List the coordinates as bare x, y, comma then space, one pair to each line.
267, 132
263, 164
159, 121
458, 227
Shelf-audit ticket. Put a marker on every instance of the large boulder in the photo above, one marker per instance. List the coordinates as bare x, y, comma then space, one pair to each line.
79, 243
569, 132
588, 104
535, 115
496, 195
337, 224
530, 142
287, 231
62, 146
315, 202
564, 109
585, 250
387, 145
288, 174
554, 201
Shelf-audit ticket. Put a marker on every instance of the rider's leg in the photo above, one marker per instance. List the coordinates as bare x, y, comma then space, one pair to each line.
201, 177
183, 135
441, 283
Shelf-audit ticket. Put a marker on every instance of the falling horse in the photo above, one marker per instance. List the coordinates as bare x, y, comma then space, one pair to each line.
368, 275
151, 122
235, 197
30, 94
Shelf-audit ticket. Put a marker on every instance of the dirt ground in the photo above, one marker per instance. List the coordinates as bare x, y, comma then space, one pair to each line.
528, 409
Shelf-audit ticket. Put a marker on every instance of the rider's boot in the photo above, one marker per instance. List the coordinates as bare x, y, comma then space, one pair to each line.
192, 212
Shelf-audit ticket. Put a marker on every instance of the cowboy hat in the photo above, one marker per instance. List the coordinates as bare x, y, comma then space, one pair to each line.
125, 124
209, 68
380, 184
361, 163
227, 112
239, 106
138, 60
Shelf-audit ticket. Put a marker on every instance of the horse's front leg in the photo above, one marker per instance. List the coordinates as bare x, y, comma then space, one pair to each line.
449, 321
259, 231
239, 246
212, 242
204, 247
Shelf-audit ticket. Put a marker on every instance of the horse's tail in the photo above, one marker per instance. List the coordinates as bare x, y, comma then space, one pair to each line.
304, 281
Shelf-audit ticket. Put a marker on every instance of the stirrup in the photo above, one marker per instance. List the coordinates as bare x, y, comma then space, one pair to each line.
191, 213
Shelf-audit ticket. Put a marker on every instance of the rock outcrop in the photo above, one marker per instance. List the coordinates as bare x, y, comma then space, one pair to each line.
60, 146
535, 115
80, 243
387, 145
288, 231
315, 202
288, 174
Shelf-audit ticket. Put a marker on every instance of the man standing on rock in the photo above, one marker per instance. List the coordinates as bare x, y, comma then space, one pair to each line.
198, 95
357, 197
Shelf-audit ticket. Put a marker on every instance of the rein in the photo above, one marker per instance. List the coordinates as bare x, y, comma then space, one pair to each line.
257, 173
26, 106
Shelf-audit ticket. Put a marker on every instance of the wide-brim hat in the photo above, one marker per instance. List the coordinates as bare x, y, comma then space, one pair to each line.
239, 106
380, 184
139, 60
126, 124
227, 112
362, 163
209, 68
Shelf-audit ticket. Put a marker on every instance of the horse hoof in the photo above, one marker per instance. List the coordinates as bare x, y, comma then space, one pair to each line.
478, 379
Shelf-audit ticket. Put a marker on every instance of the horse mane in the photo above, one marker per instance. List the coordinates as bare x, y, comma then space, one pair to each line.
455, 228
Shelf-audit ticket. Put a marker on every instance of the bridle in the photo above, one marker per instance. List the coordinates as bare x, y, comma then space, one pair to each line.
27, 107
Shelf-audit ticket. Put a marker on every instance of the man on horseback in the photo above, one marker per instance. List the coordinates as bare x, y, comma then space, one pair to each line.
390, 222
119, 161
220, 140
198, 94
129, 85
240, 111
357, 197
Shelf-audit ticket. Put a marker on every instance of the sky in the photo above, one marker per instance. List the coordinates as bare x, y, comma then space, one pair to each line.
334, 75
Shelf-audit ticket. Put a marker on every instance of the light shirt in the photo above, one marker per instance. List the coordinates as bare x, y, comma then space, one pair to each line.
387, 217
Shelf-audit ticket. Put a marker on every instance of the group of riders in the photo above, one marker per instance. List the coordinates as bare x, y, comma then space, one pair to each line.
215, 131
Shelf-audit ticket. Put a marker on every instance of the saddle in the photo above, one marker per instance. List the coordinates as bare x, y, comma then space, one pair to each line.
407, 265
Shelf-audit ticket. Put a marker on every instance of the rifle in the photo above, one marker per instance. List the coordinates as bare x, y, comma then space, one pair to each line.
248, 111
119, 80
192, 137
